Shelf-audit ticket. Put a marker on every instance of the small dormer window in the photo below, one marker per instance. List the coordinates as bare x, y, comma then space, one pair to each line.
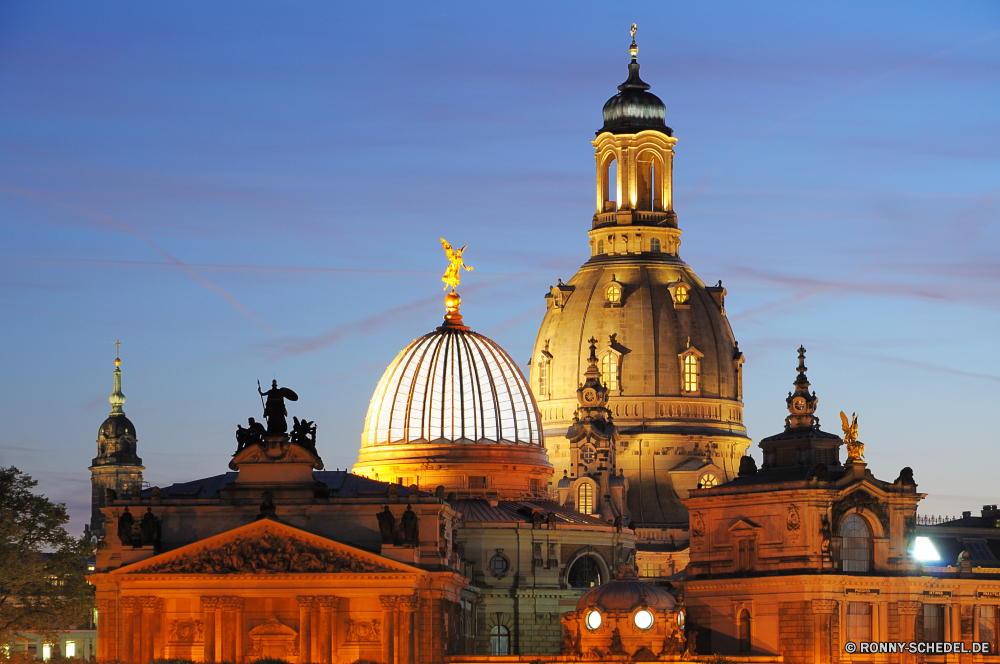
609, 371
543, 378
614, 293
600, 246
708, 480
681, 294
691, 370
654, 245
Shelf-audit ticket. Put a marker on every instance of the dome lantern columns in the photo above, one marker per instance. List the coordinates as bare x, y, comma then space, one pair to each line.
642, 184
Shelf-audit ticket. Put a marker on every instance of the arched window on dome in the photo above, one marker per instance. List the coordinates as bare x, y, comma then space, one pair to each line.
584, 573
654, 245
585, 498
648, 182
499, 641
543, 378
691, 371
856, 544
609, 184
609, 370
744, 631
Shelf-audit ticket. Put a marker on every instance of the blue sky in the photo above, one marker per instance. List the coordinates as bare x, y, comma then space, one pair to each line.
243, 191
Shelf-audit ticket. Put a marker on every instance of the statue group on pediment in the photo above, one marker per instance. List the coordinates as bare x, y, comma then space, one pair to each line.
406, 532
144, 533
273, 439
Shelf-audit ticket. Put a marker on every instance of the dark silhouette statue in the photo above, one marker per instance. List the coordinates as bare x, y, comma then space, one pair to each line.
125, 522
148, 527
410, 525
387, 525
304, 433
250, 436
274, 408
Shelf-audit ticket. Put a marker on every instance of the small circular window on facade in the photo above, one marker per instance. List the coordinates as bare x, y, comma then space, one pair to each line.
499, 564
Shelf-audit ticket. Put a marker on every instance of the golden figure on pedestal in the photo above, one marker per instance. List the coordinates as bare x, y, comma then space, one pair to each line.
451, 275
855, 450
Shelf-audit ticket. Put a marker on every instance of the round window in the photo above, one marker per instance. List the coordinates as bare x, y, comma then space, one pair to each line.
643, 619
594, 619
499, 565
614, 293
587, 455
681, 294
708, 480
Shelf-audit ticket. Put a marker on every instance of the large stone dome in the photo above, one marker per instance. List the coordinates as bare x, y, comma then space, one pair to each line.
454, 410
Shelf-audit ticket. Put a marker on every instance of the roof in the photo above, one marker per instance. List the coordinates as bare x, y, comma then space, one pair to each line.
781, 475
342, 483
477, 510
691, 463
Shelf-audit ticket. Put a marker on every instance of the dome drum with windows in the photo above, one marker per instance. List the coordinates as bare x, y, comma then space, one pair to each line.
644, 616
454, 410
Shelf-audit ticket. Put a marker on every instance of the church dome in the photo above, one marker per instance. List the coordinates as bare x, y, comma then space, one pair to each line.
454, 410
625, 594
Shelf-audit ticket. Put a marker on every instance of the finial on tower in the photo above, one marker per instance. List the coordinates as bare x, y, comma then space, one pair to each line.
117, 399
633, 49
801, 404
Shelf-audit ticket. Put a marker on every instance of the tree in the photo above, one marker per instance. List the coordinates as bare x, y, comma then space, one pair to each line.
43, 585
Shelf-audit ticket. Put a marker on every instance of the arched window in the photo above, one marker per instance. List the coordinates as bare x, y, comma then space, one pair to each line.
690, 373
585, 573
585, 498
708, 480
647, 182
499, 641
856, 545
681, 294
600, 246
610, 186
654, 244
744, 634
609, 371
614, 293
543, 378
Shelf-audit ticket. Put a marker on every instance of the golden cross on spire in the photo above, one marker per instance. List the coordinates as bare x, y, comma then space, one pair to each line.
633, 49
118, 346
632, 32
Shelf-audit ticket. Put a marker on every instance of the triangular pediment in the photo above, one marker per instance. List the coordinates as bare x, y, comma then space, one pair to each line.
744, 525
267, 547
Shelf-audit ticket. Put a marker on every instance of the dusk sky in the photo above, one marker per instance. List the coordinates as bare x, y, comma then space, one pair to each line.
242, 191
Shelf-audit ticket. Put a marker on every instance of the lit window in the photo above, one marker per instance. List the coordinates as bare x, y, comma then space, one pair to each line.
46, 651
933, 622
585, 498
709, 480
859, 622
609, 371
856, 547
690, 373
681, 294
543, 378
643, 619
744, 631
600, 246
988, 624
499, 641
651, 570
587, 455
594, 619
654, 244
585, 573
71, 649
614, 293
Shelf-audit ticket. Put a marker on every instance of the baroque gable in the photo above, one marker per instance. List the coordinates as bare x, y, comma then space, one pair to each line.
267, 547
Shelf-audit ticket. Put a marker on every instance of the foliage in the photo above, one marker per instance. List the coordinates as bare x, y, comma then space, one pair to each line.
43, 585
720, 659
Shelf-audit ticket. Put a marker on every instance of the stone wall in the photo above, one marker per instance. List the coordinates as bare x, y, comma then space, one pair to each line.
795, 631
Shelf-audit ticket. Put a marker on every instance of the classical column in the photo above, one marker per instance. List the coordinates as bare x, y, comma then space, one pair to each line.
126, 628
232, 629
388, 627
908, 625
146, 628
326, 604
823, 630
208, 607
102, 629
305, 627
407, 605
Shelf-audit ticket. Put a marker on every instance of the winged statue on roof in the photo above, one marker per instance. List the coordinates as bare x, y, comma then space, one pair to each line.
855, 449
451, 275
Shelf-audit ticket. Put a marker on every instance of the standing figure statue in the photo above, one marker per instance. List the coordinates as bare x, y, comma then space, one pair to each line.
254, 435
274, 409
452, 274
125, 522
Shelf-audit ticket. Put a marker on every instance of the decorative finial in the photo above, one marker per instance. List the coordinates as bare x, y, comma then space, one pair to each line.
452, 301
593, 350
117, 399
633, 49
855, 449
801, 405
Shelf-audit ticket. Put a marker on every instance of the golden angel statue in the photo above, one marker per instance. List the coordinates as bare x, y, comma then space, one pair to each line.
855, 450
451, 275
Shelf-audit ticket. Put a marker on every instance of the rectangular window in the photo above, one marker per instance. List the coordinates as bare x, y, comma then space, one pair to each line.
690, 373
651, 570
988, 625
747, 555
859, 621
70, 649
933, 622
543, 378
477, 482
536, 485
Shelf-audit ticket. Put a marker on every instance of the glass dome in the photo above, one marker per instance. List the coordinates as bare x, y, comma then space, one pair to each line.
452, 385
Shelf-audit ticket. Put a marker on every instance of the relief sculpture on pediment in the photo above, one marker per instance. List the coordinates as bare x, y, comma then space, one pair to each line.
268, 553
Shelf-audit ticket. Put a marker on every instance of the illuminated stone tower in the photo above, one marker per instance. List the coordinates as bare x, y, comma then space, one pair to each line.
665, 349
116, 466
